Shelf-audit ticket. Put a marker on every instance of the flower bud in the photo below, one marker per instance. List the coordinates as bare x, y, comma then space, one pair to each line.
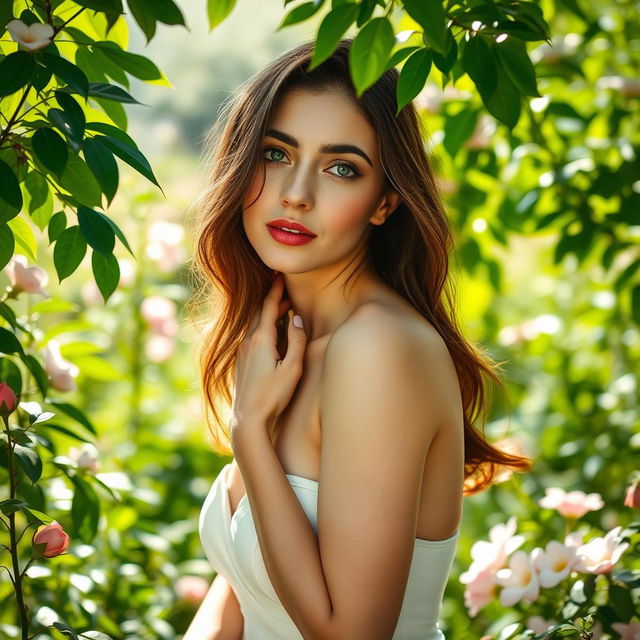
50, 540
632, 498
8, 400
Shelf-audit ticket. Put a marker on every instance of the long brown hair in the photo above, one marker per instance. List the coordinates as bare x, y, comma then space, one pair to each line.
410, 251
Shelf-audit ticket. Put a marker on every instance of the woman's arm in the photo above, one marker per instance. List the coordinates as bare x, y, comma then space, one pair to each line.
219, 616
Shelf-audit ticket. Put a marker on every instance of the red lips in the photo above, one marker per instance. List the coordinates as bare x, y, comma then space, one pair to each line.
291, 224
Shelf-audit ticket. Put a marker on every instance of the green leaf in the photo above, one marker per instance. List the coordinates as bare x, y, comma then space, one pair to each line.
16, 70
106, 272
512, 54
131, 155
458, 129
132, 63
67, 72
9, 343
145, 21
429, 14
71, 128
24, 237
218, 10
9, 186
51, 149
39, 374
412, 77
116, 230
300, 13
66, 431
114, 132
499, 94
30, 462
38, 199
57, 225
635, 303
7, 244
115, 111
78, 180
102, 165
73, 110
69, 250
445, 63
111, 92
165, 11
98, 234
331, 30
398, 56
370, 52
106, 6
85, 510
75, 413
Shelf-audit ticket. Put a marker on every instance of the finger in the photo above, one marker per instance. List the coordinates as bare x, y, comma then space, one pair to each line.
271, 304
297, 342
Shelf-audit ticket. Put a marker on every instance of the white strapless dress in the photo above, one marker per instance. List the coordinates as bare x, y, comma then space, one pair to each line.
231, 546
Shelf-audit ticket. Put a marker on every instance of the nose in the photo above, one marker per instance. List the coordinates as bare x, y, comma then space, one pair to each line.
297, 192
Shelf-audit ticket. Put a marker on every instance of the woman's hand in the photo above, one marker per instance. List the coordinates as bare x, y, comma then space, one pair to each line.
264, 384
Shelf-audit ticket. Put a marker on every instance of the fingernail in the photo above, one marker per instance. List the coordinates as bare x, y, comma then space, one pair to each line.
297, 321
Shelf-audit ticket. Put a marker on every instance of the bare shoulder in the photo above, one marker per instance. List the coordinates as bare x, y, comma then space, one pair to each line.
388, 325
414, 354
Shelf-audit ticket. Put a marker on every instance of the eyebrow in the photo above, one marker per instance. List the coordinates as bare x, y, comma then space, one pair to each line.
325, 148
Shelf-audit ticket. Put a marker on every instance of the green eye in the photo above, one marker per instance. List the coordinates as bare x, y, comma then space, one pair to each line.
341, 165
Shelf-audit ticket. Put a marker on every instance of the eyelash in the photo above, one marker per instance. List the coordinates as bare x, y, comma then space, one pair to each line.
341, 163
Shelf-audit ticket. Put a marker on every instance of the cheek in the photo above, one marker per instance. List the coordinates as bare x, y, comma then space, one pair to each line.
349, 213
253, 198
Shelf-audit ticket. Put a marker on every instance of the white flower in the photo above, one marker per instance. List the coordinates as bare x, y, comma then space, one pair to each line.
600, 554
520, 580
554, 563
33, 37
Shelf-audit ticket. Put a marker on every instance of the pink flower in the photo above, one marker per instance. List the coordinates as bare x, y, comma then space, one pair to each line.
520, 580
32, 37
629, 631
539, 624
554, 564
85, 457
165, 246
8, 400
480, 591
159, 348
192, 588
573, 504
24, 278
599, 555
632, 498
160, 314
52, 538
61, 372
493, 554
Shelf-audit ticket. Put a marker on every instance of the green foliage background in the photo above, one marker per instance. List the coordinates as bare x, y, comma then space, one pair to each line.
547, 216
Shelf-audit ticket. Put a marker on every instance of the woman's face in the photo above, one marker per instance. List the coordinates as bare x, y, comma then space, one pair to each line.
335, 193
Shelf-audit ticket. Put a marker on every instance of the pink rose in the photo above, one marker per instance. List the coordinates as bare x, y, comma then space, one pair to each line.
23, 278
573, 504
8, 400
52, 538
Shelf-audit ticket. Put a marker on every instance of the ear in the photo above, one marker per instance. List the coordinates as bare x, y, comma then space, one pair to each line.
388, 204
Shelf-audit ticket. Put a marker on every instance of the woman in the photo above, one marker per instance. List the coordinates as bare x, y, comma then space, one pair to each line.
352, 427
